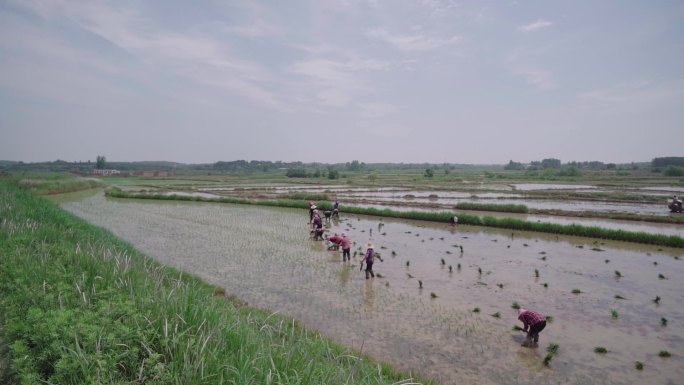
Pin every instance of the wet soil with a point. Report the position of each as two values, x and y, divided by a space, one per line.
264 256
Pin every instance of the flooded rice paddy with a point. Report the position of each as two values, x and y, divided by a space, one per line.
264 256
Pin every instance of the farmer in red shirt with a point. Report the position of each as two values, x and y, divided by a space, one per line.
533 321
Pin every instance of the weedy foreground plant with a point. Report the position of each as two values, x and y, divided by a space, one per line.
80 306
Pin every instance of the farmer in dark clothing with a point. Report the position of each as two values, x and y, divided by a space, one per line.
533 321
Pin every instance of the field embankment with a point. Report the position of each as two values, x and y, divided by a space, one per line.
445 217
81 306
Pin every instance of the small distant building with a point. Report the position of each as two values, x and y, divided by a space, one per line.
105 172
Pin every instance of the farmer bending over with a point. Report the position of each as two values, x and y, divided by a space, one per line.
533 321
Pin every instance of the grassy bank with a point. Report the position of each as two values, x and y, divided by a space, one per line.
504 223
56 183
510 208
80 306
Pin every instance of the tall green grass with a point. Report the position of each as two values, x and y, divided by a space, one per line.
445 217
507 208
79 306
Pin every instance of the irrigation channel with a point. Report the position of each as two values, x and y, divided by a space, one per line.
264 256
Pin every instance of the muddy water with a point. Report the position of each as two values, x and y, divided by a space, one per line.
264 256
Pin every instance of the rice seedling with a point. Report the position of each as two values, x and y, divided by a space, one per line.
461 247
614 314
450 269
552 348
448 252
443 262
664 354
409 275
543 258
607 261
479 270
547 359
549 318
394 253
420 284
408 263
536 273
617 296
433 295
517 328
576 291
496 315
542 252
458 266
500 285
476 310
660 276
546 285
655 263
618 274
663 321
639 365
657 300
515 305
597 249
600 350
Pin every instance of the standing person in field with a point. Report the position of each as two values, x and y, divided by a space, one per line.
369 258
346 247
336 209
312 207
533 323
317 226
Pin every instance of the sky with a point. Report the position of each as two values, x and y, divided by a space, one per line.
412 81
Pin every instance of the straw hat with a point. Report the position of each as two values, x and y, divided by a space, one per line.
369 245
313 207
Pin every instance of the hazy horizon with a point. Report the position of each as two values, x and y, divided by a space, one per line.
405 81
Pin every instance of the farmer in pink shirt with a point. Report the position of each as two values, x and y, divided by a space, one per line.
533 321
346 246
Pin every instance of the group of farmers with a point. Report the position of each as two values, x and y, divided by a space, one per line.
338 241
533 321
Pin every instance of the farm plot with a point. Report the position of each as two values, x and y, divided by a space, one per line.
419 313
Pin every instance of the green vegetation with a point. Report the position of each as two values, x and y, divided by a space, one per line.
56 183
614 314
515 305
80 306
510 208
476 310
600 350
639 365
664 354
307 196
576 291
551 350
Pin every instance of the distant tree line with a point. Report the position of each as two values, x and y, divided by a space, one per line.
668 161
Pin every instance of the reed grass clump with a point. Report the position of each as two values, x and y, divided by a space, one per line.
507 208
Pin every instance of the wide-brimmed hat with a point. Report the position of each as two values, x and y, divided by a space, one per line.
369 245
313 207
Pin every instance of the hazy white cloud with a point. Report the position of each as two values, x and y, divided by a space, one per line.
540 79
420 74
415 42
635 95
535 26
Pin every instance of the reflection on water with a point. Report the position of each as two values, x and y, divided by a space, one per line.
264 256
